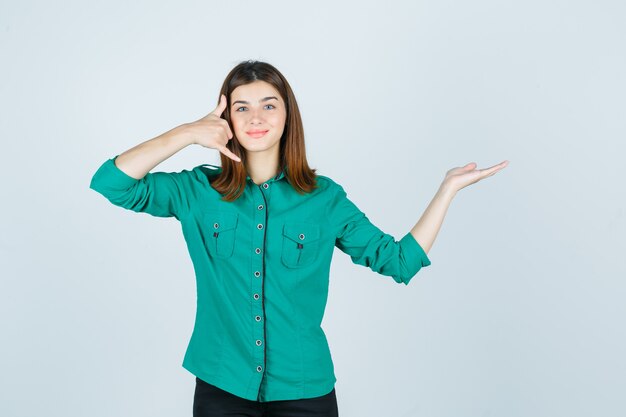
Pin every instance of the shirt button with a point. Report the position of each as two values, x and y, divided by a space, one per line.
301 236
266 186
259 368
260 207
256 296
257 274
258 343
258 250
259 226
257 318
216 225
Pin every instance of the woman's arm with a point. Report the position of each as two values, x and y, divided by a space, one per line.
426 229
126 181
136 162
130 184
211 131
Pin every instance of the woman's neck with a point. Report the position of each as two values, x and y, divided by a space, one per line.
262 167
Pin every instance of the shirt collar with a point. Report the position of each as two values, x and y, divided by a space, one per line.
278 176
218 169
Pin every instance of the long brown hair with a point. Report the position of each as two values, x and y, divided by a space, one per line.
232 180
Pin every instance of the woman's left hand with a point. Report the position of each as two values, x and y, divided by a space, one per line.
460 177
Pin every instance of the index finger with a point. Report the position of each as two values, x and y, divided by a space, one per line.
493 169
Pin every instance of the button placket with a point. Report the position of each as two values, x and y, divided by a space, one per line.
258 266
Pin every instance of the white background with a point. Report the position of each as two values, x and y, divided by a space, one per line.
521 312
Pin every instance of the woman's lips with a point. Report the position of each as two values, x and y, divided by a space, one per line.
258 134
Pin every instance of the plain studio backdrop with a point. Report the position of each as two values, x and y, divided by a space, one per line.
521 312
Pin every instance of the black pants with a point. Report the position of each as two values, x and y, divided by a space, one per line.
211 401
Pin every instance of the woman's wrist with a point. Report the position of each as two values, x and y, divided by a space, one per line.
181 134
447 190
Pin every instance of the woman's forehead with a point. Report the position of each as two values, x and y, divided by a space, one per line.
255 90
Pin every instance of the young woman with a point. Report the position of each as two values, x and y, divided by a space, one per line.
261 230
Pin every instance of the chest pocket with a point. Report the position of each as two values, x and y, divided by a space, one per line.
221 227
300 244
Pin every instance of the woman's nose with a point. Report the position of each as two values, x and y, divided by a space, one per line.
255 116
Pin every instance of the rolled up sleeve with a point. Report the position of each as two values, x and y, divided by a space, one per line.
161 194
369 246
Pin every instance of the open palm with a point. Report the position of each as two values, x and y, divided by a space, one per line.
460 177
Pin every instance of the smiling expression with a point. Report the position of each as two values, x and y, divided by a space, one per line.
258 115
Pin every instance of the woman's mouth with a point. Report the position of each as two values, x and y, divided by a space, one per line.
256 133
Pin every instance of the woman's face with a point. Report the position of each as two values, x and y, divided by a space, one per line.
257 107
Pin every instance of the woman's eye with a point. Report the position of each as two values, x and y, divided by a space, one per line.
243 107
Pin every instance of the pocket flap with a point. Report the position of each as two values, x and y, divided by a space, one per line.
301 232
220 221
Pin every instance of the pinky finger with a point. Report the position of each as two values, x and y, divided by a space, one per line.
229 154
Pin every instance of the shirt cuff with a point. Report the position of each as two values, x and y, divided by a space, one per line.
414 254
114 177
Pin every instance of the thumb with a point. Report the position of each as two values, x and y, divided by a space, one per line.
220 107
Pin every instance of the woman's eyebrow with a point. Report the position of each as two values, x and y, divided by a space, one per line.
263 99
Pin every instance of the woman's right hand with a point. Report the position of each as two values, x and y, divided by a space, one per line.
212 131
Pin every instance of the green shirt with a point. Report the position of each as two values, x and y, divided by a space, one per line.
262 268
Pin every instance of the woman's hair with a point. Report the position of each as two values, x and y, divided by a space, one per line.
292 159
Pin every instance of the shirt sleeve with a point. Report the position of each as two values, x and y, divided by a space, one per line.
369 246
161 194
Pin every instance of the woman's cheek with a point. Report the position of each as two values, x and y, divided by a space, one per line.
236 127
